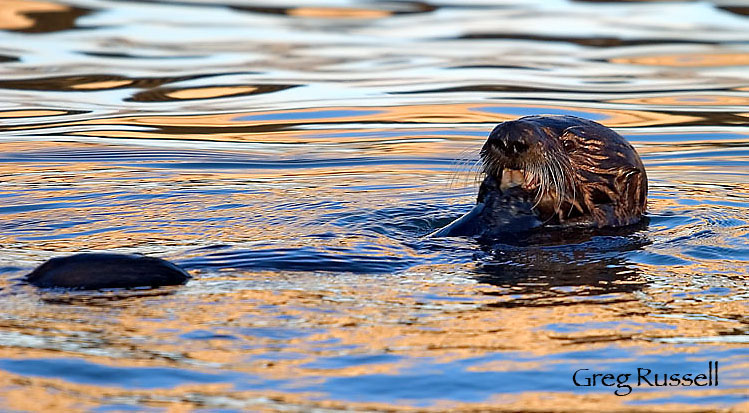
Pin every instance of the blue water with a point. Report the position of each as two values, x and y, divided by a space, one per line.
292 157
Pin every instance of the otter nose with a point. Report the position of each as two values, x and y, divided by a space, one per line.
511 145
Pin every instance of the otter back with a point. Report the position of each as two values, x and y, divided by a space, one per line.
93 271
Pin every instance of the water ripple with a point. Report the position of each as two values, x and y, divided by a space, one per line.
291 155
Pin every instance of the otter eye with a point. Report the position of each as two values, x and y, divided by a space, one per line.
568 145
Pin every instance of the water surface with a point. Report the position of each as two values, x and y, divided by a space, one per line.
291 155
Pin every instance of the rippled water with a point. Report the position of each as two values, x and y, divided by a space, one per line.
291 155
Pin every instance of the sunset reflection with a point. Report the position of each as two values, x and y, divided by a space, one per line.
16 14
688 60
295 158
337 13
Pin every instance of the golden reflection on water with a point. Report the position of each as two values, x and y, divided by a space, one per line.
440 114
333 142
105 84
463 318
374 318
690 99
688 60
30 113
275 127
210 92
443 313
14 14
167 203
337 13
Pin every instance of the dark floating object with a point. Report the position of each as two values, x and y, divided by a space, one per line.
92 271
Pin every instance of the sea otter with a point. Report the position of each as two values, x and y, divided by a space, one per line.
554 172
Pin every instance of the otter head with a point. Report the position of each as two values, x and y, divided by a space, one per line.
573 171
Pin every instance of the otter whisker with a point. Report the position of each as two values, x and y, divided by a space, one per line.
461 166
543 180
480 170
573 203
553 184
565 183
546 186
553 169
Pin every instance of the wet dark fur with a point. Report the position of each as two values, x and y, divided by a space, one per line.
585 174
99 270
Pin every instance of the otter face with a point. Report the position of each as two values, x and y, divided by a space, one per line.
576 171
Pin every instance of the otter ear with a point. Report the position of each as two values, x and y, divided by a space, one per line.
572 137
580 132
571 133
633 184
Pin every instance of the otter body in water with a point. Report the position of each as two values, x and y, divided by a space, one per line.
98 270
554 171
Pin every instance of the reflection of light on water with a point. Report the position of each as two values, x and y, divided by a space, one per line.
690 99
107 84
332 329
291 156
326 114
288 126
210 92
717 339
337 13
688 60
15 14
30 113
